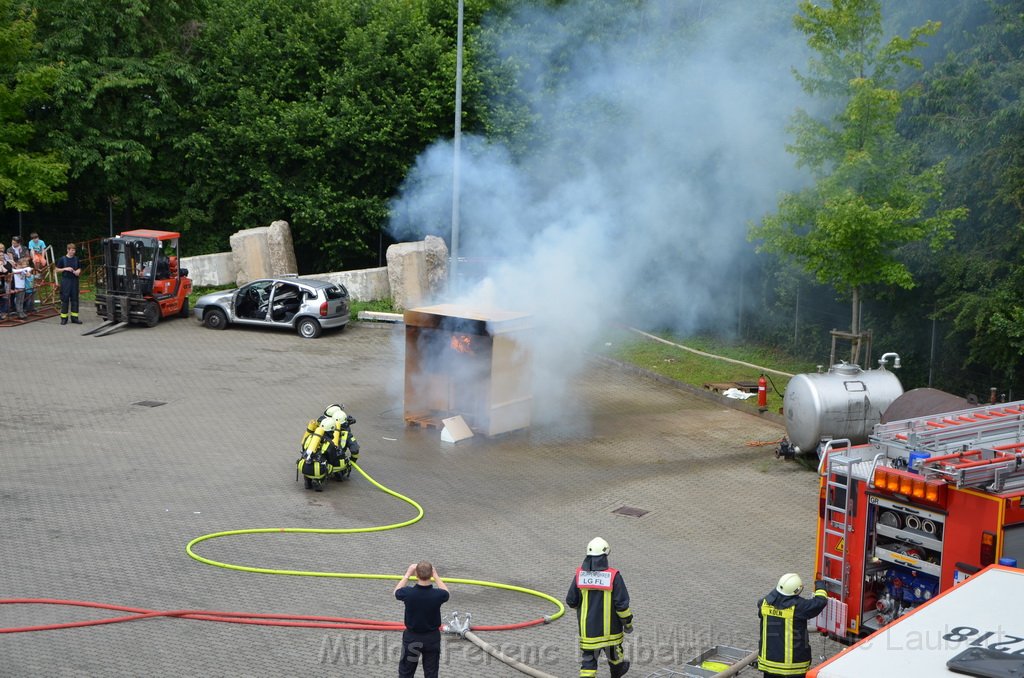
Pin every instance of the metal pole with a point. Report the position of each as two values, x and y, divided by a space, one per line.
453 273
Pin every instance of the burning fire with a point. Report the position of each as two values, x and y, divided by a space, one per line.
462 343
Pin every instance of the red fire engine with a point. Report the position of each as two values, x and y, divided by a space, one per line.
925 503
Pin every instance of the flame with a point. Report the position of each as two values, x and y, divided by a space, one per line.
462 343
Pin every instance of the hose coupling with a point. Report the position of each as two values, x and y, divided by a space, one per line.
454 624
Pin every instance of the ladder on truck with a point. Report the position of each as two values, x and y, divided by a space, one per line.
833 567
987 426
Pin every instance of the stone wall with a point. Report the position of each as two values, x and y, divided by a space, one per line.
417 272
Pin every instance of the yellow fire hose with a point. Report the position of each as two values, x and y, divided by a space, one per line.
353 575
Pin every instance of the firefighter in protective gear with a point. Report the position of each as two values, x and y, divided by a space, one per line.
344 438
312 463
599 596
784 648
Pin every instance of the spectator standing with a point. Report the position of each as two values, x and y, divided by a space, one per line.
6 266
70 269
422 635
17 250
37 250
21 272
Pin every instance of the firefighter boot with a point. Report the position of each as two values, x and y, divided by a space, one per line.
619 669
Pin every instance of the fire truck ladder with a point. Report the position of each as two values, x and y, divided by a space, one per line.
836 522
988 426
838 500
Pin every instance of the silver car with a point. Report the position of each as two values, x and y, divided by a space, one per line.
308 306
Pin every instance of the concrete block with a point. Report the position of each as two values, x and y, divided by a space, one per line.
211 270
368 284
263 252
417 271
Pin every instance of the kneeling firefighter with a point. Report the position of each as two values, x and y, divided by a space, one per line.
599 596
312 463
784 648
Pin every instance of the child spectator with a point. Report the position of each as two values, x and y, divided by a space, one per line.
37 250
22 271
30 288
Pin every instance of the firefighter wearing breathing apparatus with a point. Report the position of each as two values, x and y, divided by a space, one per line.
598 594
343 424
312 463
784 649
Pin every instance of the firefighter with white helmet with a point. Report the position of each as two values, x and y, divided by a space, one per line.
599 596
784 649
344 438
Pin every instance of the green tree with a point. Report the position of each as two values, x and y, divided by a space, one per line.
870 196
313 112
971 110
118 103
29 175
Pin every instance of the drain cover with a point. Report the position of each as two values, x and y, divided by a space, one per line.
149 403
631 511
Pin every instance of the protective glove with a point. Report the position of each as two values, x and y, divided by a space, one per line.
628 628
819 584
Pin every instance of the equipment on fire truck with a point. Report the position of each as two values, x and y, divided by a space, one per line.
140 280
843 403
974 628
927 502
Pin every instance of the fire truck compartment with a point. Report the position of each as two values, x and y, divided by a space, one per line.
980 613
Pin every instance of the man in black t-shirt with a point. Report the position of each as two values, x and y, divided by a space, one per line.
422 635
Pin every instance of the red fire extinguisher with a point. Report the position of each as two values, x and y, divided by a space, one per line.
762 392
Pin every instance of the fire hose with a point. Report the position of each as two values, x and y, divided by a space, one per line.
307 621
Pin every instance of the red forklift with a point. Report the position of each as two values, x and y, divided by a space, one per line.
140 280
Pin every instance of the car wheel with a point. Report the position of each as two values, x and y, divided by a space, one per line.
308 328
215 319
151 314
184 308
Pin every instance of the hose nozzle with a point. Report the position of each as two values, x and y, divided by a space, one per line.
453 624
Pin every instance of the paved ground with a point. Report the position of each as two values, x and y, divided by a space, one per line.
100 495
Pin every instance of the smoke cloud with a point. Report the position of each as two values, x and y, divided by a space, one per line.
659 135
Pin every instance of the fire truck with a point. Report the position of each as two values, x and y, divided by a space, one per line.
925 503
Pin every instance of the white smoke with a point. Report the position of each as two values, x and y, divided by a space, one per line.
655 147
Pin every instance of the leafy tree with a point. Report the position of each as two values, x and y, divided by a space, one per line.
29 175
312 112
971 110
870 196
119 99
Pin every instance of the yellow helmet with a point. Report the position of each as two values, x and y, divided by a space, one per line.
598 547
790 584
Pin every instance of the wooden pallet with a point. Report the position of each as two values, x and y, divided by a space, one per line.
425 420
719 387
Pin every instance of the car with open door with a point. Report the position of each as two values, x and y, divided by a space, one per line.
307 306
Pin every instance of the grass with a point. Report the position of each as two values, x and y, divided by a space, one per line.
696 370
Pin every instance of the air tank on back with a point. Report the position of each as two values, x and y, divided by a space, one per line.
845 402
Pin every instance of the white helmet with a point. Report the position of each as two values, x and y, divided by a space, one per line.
340 418
333 410
790 584
598 547
327 424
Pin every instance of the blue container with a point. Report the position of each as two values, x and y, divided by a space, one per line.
914 461
1008 562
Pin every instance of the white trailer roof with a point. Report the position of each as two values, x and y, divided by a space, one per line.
983 611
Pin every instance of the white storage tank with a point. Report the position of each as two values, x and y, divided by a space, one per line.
845 402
